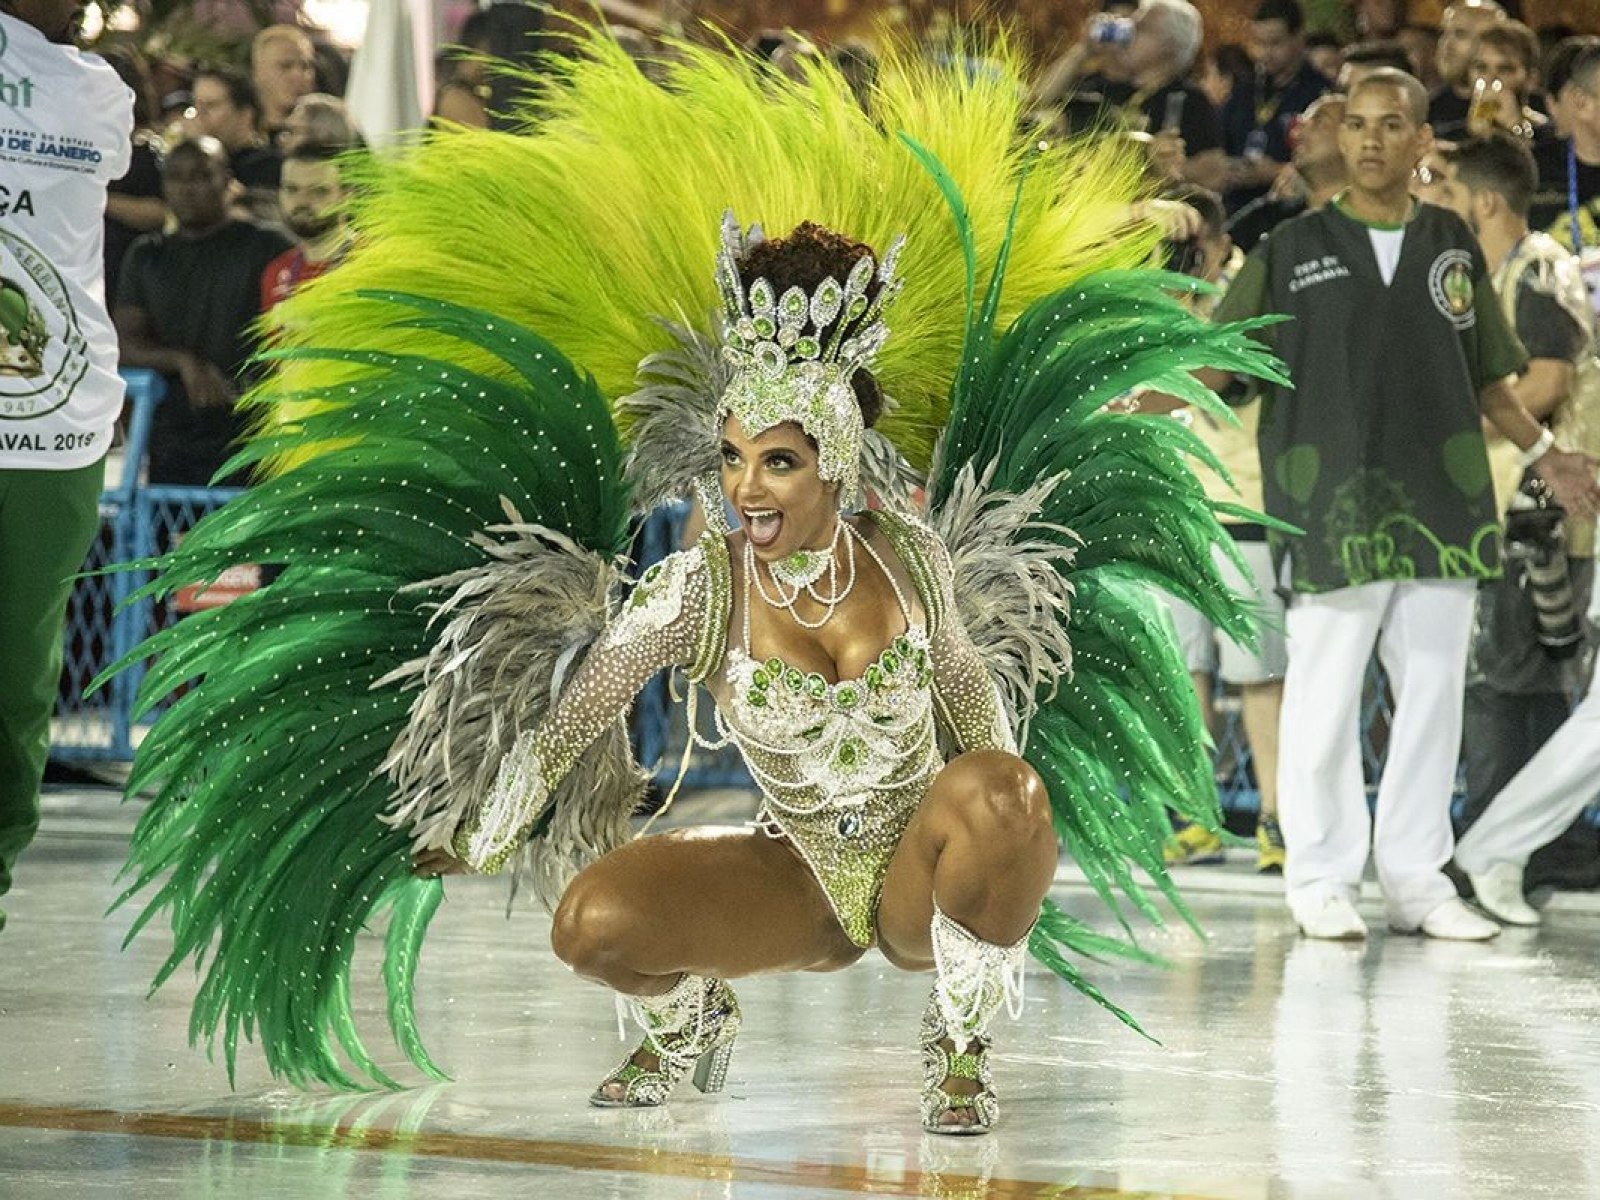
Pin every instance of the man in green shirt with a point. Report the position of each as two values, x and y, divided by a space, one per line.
1397 348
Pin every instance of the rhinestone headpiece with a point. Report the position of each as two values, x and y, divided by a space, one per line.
786 369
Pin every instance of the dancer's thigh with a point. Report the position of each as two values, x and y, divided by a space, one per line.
722 902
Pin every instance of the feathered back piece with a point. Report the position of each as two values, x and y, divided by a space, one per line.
606 219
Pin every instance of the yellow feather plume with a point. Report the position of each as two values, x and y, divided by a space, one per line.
603 213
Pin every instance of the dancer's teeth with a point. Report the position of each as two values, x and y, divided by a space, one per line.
763 526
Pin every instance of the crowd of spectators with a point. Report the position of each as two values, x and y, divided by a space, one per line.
236 196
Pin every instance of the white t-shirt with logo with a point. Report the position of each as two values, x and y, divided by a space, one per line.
66 127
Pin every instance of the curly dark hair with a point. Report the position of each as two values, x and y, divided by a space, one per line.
804 259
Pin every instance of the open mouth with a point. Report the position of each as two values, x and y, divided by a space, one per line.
762 524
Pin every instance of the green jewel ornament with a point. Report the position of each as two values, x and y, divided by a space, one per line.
757 698
803 567
774 666
760 678
793 679
890 661
816 686
849 754
874 677
901 646
848 696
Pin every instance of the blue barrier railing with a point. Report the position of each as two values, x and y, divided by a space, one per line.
136 521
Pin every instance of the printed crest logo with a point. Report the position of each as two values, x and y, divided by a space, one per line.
1450 285
22 333
43 353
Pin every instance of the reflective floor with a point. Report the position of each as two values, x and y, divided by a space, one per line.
1402 1068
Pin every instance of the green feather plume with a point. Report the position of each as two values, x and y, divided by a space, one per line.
264 843
1120 743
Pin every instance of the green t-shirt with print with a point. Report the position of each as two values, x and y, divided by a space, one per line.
1377 450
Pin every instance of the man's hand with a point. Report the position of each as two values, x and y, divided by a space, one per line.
1289 185
1178 221
1571 477
430 864
205 385
1168 154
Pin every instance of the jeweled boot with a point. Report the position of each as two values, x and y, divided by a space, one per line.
974 978
693 1025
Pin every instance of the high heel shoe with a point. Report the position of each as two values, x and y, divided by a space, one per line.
693 1025
973 979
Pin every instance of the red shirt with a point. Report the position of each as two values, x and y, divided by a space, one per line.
287 272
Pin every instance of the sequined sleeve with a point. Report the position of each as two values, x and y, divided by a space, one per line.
964 692
675 617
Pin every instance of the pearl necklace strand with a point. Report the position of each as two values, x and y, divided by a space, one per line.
752 578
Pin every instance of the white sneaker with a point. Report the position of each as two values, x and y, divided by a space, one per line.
1498 892
1453 921
1330 917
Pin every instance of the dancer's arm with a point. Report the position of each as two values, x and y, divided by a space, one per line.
661 625
964 692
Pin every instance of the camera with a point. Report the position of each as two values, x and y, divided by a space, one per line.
1536 545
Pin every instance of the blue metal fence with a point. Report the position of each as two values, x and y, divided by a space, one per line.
136 521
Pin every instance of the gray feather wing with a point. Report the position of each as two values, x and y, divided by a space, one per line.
1009 577
512 630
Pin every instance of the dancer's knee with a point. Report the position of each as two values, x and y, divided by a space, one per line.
591 927
1000 800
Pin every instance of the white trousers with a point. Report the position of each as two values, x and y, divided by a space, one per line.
1421 629
1543 798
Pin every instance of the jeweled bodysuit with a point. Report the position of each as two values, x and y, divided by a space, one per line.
841 766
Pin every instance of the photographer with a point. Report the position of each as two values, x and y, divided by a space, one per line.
1528 636
1146 91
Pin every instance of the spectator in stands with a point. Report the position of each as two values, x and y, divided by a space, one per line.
320 120
1379 18
1211 658
1325 53
1505 63
1430 182
59 390
469 92
1318 175
185 308
1152 94
283 68
1366 57
226 108
1464 20
1526 651
1569 170
313 201
1396 345
1259 113
133 202
1421 45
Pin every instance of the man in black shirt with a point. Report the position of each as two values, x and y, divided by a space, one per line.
1398 350
1518 691
226 108
1258 115
1319 175
184 307
1572 81
1463 21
